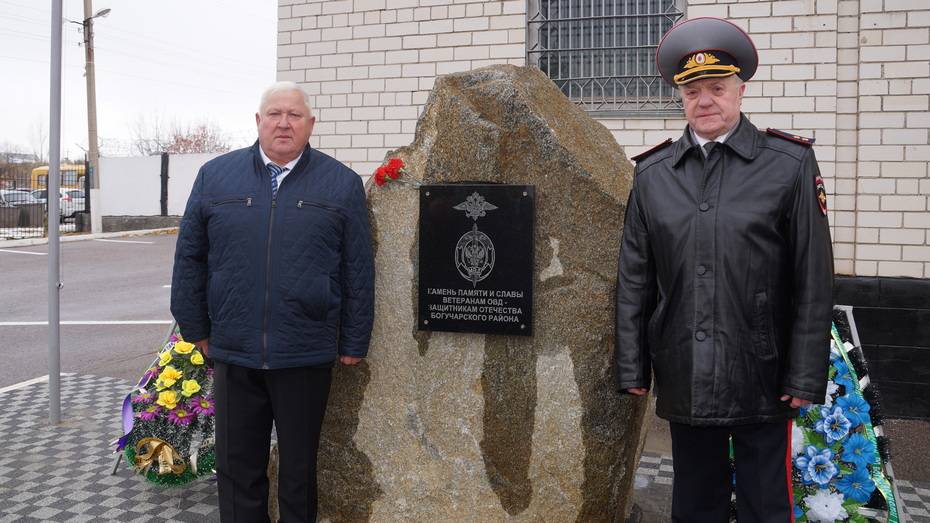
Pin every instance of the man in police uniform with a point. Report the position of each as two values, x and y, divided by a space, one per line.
725 283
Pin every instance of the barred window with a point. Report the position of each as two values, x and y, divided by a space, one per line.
601 53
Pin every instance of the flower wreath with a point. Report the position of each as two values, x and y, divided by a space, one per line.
836 453
168 418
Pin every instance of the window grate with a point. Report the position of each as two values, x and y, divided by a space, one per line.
601 53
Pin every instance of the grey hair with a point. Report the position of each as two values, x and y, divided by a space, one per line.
285 86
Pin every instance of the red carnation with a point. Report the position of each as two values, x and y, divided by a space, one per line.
395 164
391 170
379 175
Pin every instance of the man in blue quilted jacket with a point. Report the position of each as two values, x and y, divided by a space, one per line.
273 280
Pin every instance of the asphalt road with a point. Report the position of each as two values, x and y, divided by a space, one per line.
114 280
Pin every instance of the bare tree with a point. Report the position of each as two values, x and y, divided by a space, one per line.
149 135
15 165
40 141
200 138
154 137
9 151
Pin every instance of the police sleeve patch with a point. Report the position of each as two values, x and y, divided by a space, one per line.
821 195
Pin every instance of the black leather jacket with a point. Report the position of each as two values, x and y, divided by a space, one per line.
725 280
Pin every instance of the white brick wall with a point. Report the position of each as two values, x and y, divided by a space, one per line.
391 50
891 37
854 74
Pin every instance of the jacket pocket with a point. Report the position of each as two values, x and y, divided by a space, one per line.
314 297
315 231
314 204
228 216
766 360
653 336
762 327
232 200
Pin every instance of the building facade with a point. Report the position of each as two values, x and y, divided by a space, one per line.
853 74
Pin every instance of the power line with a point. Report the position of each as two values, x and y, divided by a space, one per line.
196 66
17 34
138 44
140 40
200 67
161 48
122 73
201 87
185 53
25 6
37 60
35 21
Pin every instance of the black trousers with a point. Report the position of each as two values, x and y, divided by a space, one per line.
703 479
248 401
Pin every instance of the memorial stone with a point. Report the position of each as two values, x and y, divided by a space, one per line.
445 426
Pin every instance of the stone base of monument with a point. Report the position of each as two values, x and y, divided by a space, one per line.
451 426
273 459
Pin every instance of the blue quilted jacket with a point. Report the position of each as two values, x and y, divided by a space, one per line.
281 282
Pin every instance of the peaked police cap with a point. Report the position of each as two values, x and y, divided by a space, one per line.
705 48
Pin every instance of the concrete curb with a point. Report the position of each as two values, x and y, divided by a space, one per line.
79 237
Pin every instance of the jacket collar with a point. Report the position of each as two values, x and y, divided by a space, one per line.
301 164
743 141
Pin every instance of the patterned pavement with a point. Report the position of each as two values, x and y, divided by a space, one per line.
63 473
654 481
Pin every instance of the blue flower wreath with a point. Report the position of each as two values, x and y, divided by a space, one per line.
837 468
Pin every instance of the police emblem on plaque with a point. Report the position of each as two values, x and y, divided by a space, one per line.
474 252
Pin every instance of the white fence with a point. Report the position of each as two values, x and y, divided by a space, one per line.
132 186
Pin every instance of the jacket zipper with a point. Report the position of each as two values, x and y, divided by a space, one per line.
274 204
300 204
248 201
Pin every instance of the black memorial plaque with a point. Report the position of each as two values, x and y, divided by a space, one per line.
476 258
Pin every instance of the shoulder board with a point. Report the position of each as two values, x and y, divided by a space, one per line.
644 154
790 137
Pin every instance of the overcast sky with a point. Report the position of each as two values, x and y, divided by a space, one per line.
173 61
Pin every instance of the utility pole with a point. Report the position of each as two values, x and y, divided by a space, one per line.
96 221
54 177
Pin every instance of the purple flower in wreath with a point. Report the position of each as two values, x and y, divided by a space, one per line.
149 375
180 416
834 426
858 450
202 405
855 408
149 413
816 466
143 397
857 485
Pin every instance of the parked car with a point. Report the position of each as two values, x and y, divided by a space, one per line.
71 201
15 198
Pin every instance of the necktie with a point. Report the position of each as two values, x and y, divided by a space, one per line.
274 171
708 147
